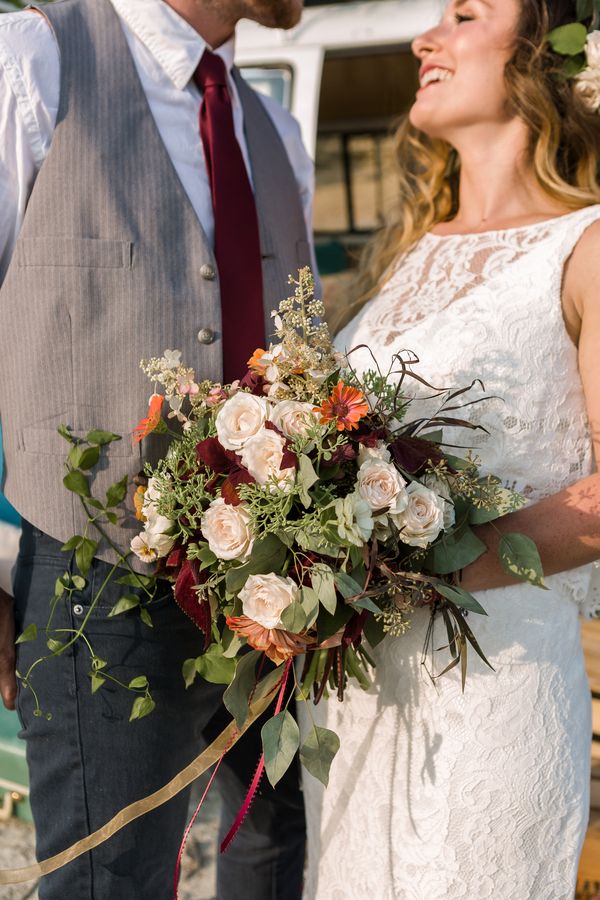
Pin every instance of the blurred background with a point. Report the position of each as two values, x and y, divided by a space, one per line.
347 74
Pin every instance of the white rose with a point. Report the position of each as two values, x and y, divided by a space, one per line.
227 530
593 49
265 597
588 86
423 518
441 487
263 454
239 419
156 528
354 519
381 486
293 418
379 451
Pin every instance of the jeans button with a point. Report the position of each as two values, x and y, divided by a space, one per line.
78 609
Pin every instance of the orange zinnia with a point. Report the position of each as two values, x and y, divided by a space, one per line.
150 423
256 364
277 644
346 406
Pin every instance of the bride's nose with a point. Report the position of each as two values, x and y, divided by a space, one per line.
427 43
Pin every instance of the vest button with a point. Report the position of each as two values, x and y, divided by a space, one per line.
208 272
206 336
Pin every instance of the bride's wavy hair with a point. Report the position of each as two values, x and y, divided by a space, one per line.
564 147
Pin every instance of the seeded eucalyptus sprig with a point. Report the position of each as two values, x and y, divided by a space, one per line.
83 456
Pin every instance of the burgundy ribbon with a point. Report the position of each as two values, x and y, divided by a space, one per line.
251 790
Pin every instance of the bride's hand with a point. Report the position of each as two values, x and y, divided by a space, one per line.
8 681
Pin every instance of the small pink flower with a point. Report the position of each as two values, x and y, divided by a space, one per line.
215 396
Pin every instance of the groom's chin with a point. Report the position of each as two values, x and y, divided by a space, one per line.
275 13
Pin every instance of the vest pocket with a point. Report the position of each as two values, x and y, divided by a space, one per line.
92 253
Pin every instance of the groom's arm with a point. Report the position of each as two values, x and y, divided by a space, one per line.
29 89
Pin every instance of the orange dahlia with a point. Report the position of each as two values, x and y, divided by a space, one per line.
256 362
346 406
275 643
147 425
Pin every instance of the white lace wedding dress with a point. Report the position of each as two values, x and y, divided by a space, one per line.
436 795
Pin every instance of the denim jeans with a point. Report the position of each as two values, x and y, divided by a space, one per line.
88 761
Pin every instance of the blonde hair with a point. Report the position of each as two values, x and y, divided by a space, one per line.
564 149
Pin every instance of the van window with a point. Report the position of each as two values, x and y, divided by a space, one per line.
274 81
363 96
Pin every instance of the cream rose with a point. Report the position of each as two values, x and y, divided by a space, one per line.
227 530
592 49
379 451
239 419
265 597
380 485
293 418
263 454
423 518
441 487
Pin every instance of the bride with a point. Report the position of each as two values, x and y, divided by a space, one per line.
491 271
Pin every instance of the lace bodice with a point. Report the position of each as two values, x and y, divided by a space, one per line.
436 793
488 306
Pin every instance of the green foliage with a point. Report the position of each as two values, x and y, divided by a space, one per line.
237 695
30 634
318 752
268 555
568 40
280 740
323 583
521 559
460 597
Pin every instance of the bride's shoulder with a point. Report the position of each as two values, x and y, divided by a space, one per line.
582 273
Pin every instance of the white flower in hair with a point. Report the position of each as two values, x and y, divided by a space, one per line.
588 81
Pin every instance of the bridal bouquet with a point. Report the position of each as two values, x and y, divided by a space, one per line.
305 511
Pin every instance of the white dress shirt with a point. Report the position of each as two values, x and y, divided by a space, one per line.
166 51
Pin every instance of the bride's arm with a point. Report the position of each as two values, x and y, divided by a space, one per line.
565 526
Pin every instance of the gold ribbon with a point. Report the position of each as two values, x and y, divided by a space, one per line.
204 761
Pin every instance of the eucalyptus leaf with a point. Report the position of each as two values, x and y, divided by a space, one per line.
280 740
368 604
318 752
236 696
346 585
30 634
460 597
310 605
568 40
455 551
232 643
293 618
328 625
521 559
323 583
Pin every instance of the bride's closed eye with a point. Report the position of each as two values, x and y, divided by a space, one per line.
460 19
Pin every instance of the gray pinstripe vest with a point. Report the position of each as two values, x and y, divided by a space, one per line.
111 267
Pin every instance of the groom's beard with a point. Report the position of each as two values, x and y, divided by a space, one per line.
272 13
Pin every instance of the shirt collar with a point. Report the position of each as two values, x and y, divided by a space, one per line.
174 44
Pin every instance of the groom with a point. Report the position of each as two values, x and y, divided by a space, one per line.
150 200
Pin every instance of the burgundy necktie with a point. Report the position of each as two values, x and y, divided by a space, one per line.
237 240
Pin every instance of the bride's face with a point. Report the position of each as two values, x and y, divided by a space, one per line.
462 67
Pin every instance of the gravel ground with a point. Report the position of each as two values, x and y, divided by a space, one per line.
198 870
